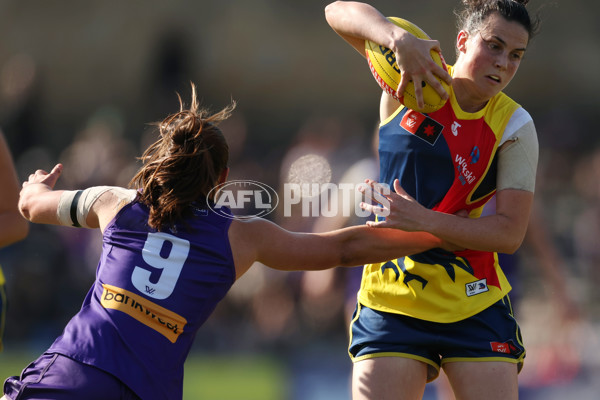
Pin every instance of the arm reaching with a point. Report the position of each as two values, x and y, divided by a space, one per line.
93 207
502 232
265 242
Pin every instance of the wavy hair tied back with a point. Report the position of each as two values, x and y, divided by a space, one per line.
184 164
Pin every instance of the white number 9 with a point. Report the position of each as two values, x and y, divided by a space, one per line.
171 265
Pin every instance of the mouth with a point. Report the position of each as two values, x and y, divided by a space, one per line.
495 78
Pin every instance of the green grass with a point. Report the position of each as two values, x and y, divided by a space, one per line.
212 378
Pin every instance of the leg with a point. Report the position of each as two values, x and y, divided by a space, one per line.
388 378
490 380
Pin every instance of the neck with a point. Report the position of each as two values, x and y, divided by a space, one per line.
466 95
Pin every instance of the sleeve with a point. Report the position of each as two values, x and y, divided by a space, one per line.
518 159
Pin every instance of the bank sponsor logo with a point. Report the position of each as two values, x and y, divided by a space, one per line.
163 321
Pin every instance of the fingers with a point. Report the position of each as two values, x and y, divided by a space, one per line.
374 190
418 84
51 178
57 169
41 176
398 188
404 81
377 210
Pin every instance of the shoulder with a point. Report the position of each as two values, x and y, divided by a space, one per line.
519 124
107 201
108 196
502 105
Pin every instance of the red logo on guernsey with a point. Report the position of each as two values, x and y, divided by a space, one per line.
421 126
412 120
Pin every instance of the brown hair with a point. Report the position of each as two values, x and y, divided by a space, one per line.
184 164
475 12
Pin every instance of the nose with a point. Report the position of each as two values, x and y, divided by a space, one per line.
502 62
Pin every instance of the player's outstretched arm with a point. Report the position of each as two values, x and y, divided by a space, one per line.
93 207
263 241
502 232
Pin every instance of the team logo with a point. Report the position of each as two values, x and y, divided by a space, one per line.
245 199
474 155
454 128
422 126
508 347
477 287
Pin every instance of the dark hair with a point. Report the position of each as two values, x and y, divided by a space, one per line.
475 13
184 164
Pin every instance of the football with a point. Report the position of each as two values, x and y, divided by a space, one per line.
382 62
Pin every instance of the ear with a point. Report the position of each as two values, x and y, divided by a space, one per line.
461 41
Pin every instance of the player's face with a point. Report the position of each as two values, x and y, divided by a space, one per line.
490 57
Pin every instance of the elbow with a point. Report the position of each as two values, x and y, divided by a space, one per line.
331 10
511 245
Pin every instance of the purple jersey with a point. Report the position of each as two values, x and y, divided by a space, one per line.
153 291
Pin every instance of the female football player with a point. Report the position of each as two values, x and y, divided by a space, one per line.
441 309
13 227
167 259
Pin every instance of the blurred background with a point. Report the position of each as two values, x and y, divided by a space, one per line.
79 81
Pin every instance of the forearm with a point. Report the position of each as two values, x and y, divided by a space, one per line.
496 233
356 22
364 245
13 228
352 246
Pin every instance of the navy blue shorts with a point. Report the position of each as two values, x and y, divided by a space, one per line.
54 376
491 335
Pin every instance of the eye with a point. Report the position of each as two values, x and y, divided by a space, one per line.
494 46
516 56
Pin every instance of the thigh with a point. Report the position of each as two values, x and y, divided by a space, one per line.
375 334
388 378
490 380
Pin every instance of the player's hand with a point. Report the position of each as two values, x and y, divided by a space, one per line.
45 178
400 210
413 57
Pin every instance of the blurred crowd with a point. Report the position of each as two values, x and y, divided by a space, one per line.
555 274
